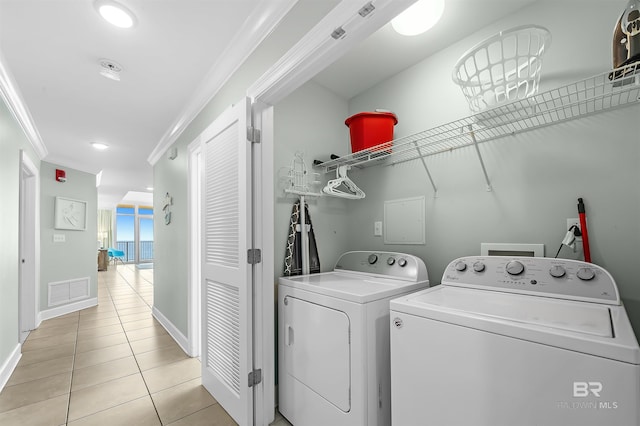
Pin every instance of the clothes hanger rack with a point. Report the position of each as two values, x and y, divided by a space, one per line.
342 186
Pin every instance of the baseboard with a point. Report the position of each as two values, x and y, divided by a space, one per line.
66 309
173 331
9 365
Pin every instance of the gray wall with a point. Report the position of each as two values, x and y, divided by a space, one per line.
12 140
170 252
77 256
310 121
536 176
170 286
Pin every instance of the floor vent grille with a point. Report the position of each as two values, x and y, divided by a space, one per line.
62 292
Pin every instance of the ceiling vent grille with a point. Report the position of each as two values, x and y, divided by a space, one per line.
110 69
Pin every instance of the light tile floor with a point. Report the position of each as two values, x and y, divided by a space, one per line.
112 364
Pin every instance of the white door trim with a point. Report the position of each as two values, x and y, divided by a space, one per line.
29 271
264 291
317 49
194 202
302 62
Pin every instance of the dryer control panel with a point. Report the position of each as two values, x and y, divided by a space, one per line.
390 264
540 276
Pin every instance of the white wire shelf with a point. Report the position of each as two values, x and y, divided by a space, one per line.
603 92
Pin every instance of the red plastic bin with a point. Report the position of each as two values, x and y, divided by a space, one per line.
368 129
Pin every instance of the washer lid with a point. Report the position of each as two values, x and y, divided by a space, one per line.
359 288
590 328
564 315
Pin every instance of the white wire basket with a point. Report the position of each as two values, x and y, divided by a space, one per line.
504 68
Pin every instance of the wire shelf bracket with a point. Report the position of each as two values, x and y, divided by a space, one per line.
484 169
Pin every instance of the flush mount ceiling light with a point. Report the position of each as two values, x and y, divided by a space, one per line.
419 17
115 13
99 146
110 69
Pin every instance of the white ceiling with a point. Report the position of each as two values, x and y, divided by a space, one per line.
52 48
386 52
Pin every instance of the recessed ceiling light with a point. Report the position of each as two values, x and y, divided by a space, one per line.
419 17
115 13
149 188
99 146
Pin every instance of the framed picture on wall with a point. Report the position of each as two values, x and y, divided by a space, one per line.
70 214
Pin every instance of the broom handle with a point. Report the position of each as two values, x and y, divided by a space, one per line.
585 233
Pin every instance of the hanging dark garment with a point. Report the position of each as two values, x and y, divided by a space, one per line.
293 252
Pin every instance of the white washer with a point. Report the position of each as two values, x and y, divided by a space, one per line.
333 338
515 341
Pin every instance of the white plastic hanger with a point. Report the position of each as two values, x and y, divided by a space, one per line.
342 186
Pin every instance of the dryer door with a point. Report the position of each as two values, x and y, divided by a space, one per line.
317 349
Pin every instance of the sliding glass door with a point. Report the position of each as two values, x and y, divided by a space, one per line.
126 232
145 239
134 233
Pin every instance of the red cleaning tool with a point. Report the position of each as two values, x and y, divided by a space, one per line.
585 234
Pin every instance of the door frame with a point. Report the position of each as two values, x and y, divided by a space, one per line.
300 64
264 354
138 241
29 251
194 247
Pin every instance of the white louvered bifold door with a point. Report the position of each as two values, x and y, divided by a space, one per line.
226 299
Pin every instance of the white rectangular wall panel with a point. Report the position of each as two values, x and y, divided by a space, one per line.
404 221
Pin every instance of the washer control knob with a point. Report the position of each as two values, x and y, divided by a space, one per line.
515 267
373 258
391 261
586 274
402 262
461 266
478 266
557 271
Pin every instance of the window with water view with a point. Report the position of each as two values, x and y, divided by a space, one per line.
134 233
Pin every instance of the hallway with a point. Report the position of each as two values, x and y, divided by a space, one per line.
110 364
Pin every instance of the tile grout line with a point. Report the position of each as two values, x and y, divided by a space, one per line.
134 290
132 351
73 365
136 359
73 368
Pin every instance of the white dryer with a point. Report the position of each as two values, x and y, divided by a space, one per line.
333 339
515 341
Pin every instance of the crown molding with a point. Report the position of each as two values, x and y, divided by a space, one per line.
249 36
318 49
72 164
11 96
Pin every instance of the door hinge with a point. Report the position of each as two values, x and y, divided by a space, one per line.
255 377
253 134
254 256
